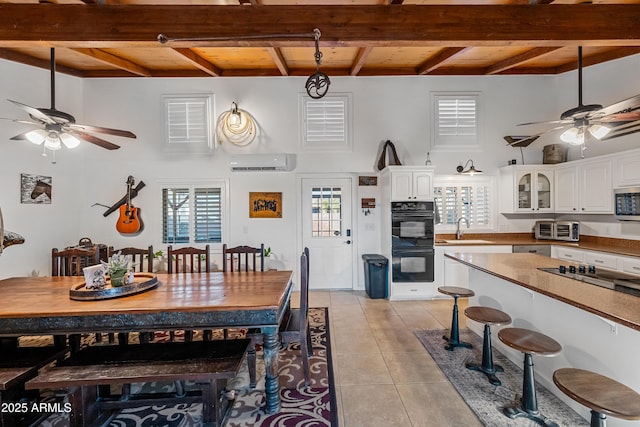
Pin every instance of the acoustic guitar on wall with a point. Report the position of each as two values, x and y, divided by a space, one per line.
129 220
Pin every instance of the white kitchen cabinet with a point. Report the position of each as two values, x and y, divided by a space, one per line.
584 188
600 259
630 265
627 170
527 189
567 254
409 182
456 273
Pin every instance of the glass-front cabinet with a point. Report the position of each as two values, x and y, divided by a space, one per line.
533 190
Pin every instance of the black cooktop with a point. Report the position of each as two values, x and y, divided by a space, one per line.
610 279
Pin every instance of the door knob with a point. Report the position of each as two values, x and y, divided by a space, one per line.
348 242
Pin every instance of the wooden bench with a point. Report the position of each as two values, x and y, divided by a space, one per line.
89 374
18 365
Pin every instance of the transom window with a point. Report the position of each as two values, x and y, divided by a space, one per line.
326 123
188 123
455 121
326 211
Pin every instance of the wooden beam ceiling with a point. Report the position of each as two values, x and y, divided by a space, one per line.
360 26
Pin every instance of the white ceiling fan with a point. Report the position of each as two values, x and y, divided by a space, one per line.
592 120
55 128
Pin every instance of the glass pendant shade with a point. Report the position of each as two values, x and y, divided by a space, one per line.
69 140
235 119
36 136
573 136
599 131
52 141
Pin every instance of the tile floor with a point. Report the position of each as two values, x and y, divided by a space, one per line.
384 376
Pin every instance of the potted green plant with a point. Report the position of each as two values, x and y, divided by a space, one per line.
117 267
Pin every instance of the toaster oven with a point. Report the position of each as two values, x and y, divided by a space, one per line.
558 230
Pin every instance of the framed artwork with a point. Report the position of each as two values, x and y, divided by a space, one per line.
35 189
367 180
265 205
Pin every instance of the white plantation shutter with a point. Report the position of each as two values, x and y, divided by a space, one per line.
462 200
208 215
455 121
188 124
326 123
193 214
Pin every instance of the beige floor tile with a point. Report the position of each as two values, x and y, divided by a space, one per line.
384 320
397 340
423 320
339 409
373 406
365 368
343 297
348 340
413 367
319 298
436 405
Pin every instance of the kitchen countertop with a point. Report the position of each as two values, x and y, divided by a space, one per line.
522 269
594 243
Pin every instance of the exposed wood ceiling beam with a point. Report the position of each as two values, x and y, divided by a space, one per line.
519 59
360 60
199 61
361 26
11 55
114 61
279 60
438 59
599 58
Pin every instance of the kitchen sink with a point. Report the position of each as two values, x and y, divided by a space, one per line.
468 241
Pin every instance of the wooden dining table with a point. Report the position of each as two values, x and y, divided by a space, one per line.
42 306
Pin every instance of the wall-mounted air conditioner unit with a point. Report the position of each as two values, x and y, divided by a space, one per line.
263 162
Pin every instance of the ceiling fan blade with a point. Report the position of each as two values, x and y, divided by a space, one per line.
20 137
630 116
94 140
28 122
525 141
622 130
99 129
632 103
545 122
34 112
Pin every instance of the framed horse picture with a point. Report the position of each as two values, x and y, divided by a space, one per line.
35 189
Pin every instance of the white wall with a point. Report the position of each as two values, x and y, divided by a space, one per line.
395 108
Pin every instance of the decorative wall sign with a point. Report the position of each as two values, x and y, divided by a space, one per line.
265 205
35 189
367 180
368 203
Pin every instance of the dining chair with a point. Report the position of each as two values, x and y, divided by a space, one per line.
143 263
295 329
185 260
70 262
232 258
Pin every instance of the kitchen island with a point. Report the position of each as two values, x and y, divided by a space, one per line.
598 328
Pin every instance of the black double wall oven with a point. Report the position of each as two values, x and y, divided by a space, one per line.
412 239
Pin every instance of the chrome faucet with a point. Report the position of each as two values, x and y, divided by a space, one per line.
459 232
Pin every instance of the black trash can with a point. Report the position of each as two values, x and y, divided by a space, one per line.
375 275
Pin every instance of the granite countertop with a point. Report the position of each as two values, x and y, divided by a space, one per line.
594 243
522 269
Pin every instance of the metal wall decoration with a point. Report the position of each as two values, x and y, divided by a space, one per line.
367 180
265 205
35 189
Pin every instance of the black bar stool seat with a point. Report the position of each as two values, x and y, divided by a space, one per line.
489 316
603 395
456 292
530 343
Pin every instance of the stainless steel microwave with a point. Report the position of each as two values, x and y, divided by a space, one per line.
627 203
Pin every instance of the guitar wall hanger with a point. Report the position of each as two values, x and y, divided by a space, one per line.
130 195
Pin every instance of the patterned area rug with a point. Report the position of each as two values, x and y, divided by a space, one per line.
313 406
485 399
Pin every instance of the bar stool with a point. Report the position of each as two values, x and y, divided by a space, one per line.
489 316
603 395
529 342
453 340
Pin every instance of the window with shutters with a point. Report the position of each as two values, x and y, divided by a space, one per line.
194 213
188 123
471 198
326 123
455 121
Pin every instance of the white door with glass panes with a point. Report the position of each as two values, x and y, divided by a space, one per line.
327 232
